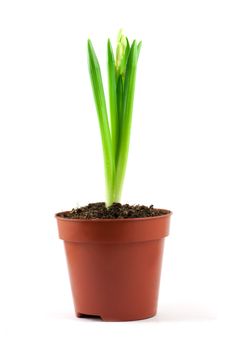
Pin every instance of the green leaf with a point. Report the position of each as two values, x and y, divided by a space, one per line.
128 98
112 97
139 47
100 102
119 94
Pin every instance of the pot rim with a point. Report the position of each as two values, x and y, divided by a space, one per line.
57 216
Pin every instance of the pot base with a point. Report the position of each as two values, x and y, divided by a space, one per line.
108 318
80 315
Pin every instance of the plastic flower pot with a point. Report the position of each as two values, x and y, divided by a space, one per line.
114 265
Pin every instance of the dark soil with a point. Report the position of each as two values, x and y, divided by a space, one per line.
115 211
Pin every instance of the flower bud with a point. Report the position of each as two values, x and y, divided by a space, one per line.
120 49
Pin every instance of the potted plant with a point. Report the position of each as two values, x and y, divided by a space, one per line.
114 251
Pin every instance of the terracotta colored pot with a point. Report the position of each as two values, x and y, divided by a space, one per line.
114 265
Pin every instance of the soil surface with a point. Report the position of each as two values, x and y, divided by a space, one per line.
115 211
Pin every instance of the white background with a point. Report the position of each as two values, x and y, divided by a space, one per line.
188 154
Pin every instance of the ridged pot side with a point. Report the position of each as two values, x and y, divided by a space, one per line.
115 265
